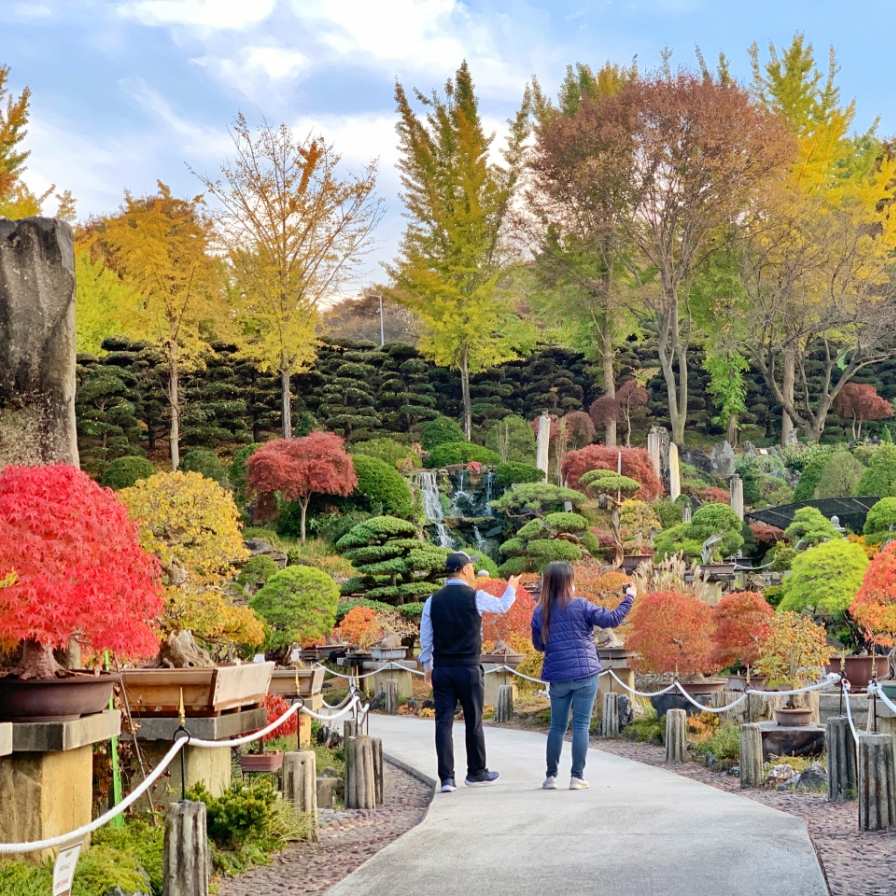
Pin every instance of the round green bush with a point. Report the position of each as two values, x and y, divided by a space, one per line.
441 431
387 450
123 472
511 473
382 485
257 571
204 462
824 580
461 453
881 521
810 526
297 604
708 520
880 477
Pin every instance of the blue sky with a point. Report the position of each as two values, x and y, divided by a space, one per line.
127 92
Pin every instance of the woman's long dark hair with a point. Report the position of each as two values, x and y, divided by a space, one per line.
556 590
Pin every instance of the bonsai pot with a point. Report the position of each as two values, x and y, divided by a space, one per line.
857 668
889 689
283 682
503 659
261 762
739 682
630 562
55 699
794 718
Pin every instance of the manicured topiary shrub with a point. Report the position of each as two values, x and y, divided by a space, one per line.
741 622
511 473
875 605
123 472
257 572
880 524
810 476
880 477
204 462
535 499
382 486
388 450
708 521
825 579
461 453
810 527
441 431
298 605
608 482
636 464
556 536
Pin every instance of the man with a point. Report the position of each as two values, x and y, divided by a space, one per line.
451 642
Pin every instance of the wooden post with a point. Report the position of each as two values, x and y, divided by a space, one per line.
504 708
609 720
379 780
877 788
186 863
349 729
841 750
391 697
300 786
676 736
360 786
751 765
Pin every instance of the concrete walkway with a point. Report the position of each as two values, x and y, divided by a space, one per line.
639 830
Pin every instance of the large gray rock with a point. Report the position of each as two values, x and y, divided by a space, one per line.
722 461
695 458
37 343
815 777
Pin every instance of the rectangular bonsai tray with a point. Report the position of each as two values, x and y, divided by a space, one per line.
206 692
283 682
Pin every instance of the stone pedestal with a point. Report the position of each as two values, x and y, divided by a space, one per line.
859 706
5 739
494 681
676 737
504 706
877 783
46 780
186 861
617 660
841 750
378 683
791 740
751 755
210 766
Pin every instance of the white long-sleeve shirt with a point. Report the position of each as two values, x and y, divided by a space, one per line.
485 603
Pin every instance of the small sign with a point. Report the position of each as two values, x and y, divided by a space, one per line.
64 870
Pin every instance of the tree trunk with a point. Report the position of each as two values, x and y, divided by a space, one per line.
607 356
787 384
37 661
464 368
681 353
304 505
286 397
174 402
732 430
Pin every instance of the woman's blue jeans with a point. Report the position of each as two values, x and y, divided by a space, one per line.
580 696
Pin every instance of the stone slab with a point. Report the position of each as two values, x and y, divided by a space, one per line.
204 727
54 737
859 704
791 740
5 738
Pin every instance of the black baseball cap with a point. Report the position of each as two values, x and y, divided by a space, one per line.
456 561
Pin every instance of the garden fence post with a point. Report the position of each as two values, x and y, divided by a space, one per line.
609 720
676 736
360 787
751 765
391 697
186 863
300 785
877 788
841 751
349 729
378 771
504 709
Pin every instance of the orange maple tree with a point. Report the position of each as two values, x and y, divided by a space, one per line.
360 626
636 464
874 607
741 624
512 625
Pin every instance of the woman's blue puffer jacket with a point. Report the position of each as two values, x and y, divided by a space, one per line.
570 653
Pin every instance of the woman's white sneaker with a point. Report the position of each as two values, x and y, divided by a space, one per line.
577 784
549 784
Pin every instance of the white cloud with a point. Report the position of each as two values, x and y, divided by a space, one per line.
214 14
256 69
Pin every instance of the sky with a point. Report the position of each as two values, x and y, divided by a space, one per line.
128 92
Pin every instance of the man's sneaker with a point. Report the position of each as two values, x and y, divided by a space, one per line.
480 780
578 784
448 786
549 784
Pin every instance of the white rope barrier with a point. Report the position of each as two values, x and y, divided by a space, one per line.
852 727
167 759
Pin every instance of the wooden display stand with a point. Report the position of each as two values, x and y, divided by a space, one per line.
617 660
390 670
494 681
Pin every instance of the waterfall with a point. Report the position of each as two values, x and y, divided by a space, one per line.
428 484
489 483
480 541
460 494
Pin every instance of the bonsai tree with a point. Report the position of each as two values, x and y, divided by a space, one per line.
557 536
741 624
535 499
636 464
393 564
192 526
793 651
295 469
298 605
73 568
810 527
359 627
638 525
610 487
257 573
874 608
824 580
711 521
880 477
672 633
880 524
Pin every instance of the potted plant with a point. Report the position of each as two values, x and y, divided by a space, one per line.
262 761
792 653
671 632
741 623
74 573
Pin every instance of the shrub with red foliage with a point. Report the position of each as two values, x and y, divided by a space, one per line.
298 468
636 464
874 607
626 405
741 624
516 621
579 430
672 632
765 534
713 495
276 706
860 402
78 566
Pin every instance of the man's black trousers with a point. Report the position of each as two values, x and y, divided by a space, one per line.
465 685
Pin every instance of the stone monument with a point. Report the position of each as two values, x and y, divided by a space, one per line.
543 443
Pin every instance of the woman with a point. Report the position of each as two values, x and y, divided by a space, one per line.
563 629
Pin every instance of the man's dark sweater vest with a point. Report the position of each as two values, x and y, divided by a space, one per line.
456 627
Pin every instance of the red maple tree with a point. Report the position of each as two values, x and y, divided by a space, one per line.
625 405
741 624
765 534
299 468
860 402
874 607
576 430
672 632
79 570
515 622
636 464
